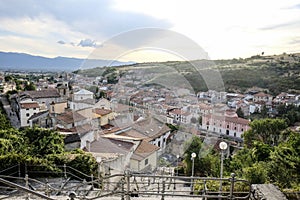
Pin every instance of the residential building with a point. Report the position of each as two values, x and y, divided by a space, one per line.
28 108
225 125
144 158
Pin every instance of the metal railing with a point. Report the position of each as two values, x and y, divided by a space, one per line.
127 185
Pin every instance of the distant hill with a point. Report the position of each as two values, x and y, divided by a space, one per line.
273 73
27 62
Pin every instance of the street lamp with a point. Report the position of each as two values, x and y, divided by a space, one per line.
177 164
223 146
193 156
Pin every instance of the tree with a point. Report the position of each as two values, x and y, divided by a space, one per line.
4 122
240 112
260 151
29 86
264 111
85 162
44 141
8 78
266 130
285 162
192 146
256 174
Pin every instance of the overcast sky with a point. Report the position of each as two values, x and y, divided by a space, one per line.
224 29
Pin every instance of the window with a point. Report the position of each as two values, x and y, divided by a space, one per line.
234 134
27 114
228 126
27 108
242 129
227 132
146 162
158 143
34 108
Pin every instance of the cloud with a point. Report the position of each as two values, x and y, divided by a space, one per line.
87 43
287 25
61 42
92 17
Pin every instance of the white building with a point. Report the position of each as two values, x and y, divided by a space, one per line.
82 95
27 109
82 99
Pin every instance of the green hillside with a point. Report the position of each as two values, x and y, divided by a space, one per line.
276 73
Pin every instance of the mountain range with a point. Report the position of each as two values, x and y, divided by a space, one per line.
25 62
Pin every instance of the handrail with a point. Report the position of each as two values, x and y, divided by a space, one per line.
88 176
9 168
14 185
149 184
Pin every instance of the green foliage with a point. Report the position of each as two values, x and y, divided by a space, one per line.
290 113
173 127
256 174
42 148
44 141
205 164
266 130
264 161
29 86
240 112
8 78
4 122
192 146
285 162
85 162
260 151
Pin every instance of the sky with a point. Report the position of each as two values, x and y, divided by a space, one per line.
222 29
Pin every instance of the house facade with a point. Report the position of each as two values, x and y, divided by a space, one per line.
225 125
27 109
144 158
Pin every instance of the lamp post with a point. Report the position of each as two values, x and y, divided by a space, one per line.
193 156
177 156
223 146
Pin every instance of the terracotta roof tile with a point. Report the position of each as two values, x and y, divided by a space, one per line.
70 117
144 150
102 112
26 105
49 93
236 120
106 145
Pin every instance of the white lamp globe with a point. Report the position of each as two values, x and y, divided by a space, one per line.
223 145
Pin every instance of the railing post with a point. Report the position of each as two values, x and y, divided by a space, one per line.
163 190
232 181
65 171
92 180
26 168
204 189
174 183
19 170
127 175
27 186
122 189
47 192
